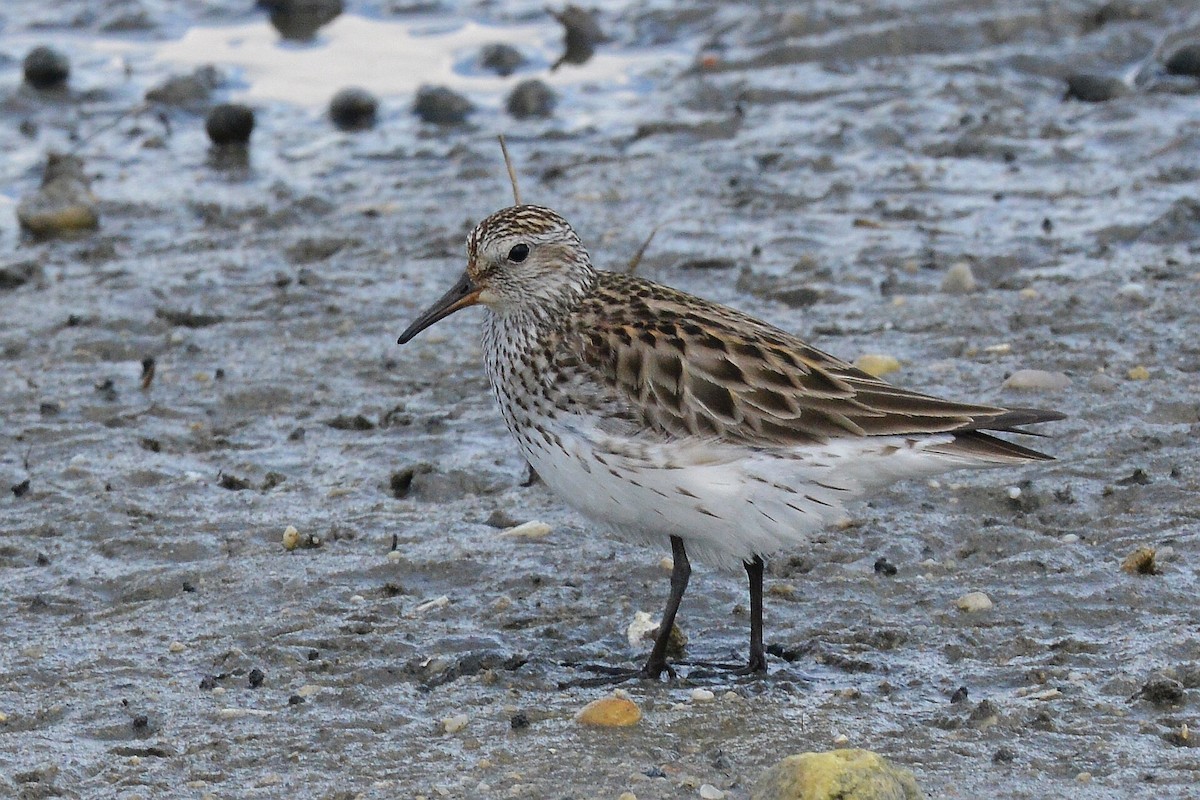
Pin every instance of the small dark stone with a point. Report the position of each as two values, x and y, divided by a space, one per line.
184 318
1004 755
401 482
712 262
186 91
49 408
208 683
19 274
1094 88
295 700
581 34
299 20
297 435
42 560
531 98
1047 225
271 480
21 489
519 721
46 68
441 106
344 422
353 109
1162 691
502 59
188 587
1139 477
153 445
1185 61
884 567
256 678
984 714
107 389
229 123
313 655
219 374
141 722
960 695
232 482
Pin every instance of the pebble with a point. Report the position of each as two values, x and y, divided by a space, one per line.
702 696
614 711
1013 492
441 106
643 626
176 647
229 123
186 91
353 109
299 20
972 602
627 796
455 723
710 792
1094 88
1033 380
959 279
531 98
877 364
63 204
1069 538
529 531
291 538
1140 562
430 605
845 774
46 68
1139 373
502 59
1185 61
581 34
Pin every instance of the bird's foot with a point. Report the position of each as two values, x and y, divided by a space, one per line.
613 675
756 667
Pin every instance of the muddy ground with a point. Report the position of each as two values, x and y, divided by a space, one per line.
822 166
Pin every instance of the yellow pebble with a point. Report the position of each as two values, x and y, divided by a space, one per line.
613 711
1139 373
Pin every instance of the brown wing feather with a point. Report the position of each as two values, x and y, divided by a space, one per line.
699 369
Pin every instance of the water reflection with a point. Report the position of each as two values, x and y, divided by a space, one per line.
388 58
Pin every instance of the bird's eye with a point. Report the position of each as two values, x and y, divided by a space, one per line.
518 253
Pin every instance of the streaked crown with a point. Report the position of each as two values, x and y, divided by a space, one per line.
523 255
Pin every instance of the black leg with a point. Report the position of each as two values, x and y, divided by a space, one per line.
656 664
758 655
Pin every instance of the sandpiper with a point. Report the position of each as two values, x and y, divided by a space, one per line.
675 419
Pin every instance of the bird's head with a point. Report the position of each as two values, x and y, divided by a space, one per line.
522 258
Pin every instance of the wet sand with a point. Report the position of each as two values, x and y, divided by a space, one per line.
822 169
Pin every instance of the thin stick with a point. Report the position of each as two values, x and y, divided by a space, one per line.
641 251
512 173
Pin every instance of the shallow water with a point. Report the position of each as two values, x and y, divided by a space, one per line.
827 166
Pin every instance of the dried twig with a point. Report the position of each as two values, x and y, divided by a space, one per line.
512 173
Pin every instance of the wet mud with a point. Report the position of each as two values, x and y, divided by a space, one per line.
216 362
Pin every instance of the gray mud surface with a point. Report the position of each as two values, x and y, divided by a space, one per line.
820 165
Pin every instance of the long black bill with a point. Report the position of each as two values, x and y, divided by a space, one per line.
462 294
